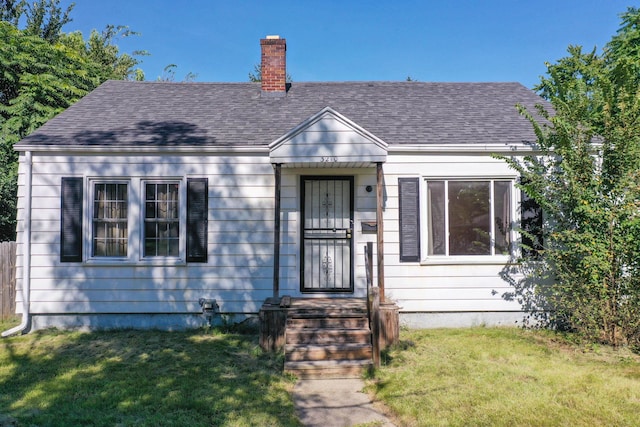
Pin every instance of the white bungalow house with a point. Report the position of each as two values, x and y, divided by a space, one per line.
145 197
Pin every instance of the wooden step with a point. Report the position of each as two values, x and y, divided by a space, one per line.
326 312
328 368
328 322
305 352
327 336
349 303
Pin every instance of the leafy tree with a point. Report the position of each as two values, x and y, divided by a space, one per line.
586 178
38 81
42 72
46 19
101 50
169 75
11 11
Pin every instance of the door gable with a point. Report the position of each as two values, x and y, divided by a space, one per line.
328 139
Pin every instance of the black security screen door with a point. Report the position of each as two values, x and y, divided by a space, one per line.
327 231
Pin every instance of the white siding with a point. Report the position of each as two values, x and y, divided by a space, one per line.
239 271
449 286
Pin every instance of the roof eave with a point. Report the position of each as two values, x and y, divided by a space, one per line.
102 149
498 148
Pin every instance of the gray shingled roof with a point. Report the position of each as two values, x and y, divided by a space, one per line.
124 113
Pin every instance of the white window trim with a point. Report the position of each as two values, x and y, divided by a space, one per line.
493 259
182 214
135 222
88 220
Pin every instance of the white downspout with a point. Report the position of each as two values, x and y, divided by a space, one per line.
26 251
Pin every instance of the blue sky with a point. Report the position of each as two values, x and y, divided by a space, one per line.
333 40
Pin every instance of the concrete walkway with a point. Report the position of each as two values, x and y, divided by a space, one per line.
336 403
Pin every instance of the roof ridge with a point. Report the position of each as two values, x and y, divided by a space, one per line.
156 82
327 82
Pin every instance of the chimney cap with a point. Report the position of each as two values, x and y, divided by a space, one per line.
273 37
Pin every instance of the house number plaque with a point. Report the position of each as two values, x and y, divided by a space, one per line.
329 159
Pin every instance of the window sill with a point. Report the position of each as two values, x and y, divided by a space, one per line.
119 262
468 260
161 261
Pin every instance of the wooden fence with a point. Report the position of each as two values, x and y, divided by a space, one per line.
7 279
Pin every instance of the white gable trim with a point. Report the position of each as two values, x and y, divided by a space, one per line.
506 149
328 139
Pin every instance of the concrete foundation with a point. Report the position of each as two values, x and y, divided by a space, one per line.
461 319
168 322
417 320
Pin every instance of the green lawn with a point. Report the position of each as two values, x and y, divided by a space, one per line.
142 378
448 377
507 377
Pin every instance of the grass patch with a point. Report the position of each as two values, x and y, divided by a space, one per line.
143 378
9 322
507 376
452 377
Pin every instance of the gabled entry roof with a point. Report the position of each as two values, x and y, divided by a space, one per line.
328 139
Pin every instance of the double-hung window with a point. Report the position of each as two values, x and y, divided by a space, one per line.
134 219
110 228
468 217
161 219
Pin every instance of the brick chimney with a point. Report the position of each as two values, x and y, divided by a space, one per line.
274 65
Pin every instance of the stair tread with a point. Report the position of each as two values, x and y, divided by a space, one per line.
327 346
296 327
326 315
326 363
330 330
327 319
325 333
317 329
332 350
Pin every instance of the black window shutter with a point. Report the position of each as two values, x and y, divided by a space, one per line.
197 213
409 201
532 227
71 220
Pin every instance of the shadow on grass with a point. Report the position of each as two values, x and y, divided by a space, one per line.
195 378
387 355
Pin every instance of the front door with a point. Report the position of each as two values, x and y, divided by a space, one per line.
327 229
